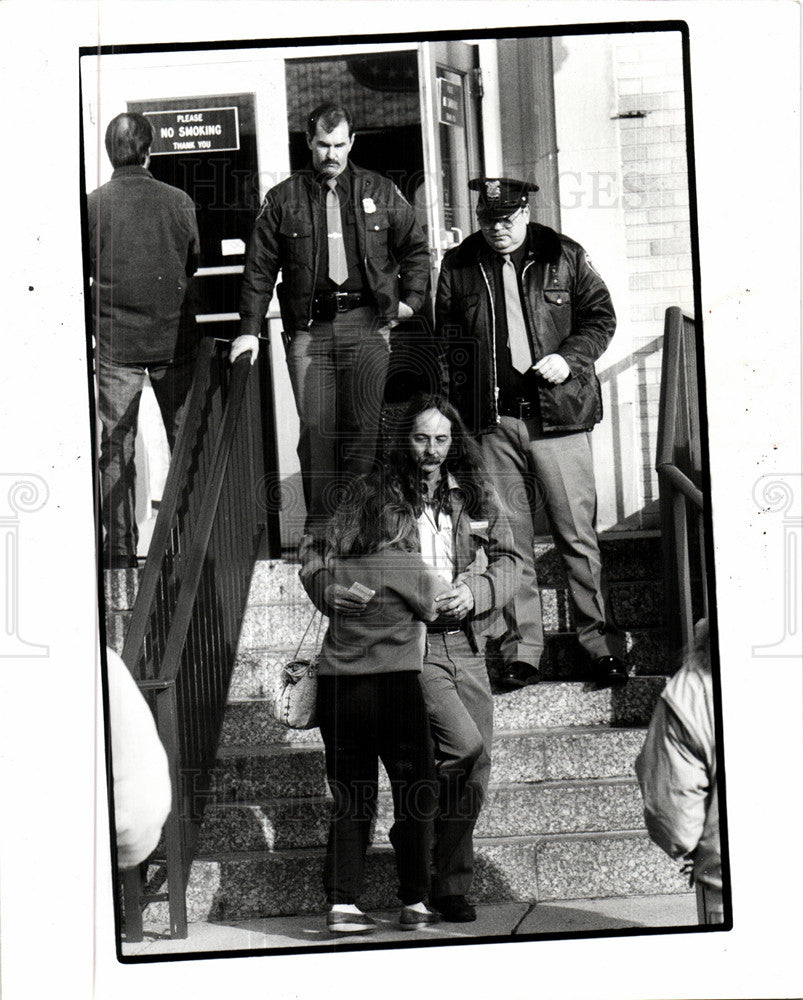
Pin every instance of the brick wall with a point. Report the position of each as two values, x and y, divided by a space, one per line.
648 78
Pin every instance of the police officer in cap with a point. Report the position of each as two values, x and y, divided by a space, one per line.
522 316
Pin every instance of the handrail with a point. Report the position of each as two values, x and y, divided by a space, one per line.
682 483
158 549
679 466
182 639
203 529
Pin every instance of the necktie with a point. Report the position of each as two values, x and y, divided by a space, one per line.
518 340
338 269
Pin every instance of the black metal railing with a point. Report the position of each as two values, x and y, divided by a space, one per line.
182 639
679 467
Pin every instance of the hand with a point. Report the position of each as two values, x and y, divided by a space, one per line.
343 600
553 368
457 601
241 345
405 312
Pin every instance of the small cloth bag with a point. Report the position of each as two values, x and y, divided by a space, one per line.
295 700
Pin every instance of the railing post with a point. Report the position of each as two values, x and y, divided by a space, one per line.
167 723
132 904
668 543
681 540
678 466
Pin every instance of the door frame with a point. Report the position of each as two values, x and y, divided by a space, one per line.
461 58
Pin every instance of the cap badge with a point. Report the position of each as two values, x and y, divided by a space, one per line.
493 191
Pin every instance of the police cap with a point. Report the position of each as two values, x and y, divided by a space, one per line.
500 196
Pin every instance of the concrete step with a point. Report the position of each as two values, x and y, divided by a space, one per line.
120 588
510 810
627 556
248 775
280 624
258 667
551 703
228 886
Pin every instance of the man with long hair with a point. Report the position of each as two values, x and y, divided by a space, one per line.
434 468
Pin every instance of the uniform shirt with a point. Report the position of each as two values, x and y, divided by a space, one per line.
512 384
355 281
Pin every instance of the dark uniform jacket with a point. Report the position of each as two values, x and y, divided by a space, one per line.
569 312
143 250
287 236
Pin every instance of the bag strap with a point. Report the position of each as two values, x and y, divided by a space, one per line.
318 634
306 632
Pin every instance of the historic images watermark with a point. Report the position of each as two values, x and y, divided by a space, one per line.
782 494
20 493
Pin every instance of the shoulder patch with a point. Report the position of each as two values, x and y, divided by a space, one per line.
262 208
590 264
397 192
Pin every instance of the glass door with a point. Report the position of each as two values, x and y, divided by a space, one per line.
452 140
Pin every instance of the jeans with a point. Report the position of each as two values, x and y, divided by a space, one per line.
458 698
365 718
119 391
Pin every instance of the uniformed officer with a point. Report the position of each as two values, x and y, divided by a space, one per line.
521 317
354 262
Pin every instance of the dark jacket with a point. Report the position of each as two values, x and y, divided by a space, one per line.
287 236
143 250
569 312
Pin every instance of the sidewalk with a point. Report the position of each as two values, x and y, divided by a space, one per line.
502 920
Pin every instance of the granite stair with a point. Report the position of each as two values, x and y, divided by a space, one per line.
563 816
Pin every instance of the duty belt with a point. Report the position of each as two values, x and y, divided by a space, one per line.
520 408
326 307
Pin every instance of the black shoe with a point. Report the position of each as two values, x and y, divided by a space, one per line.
346 922
609 671
455 909
413 920
518 675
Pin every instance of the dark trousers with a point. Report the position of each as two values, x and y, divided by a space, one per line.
530 468
458 698
119 392
364 719
338 371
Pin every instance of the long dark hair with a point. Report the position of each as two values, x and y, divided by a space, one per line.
464 461
371 515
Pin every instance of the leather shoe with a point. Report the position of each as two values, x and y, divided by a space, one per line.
518 675
609 671
346 922
455 909
411 919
